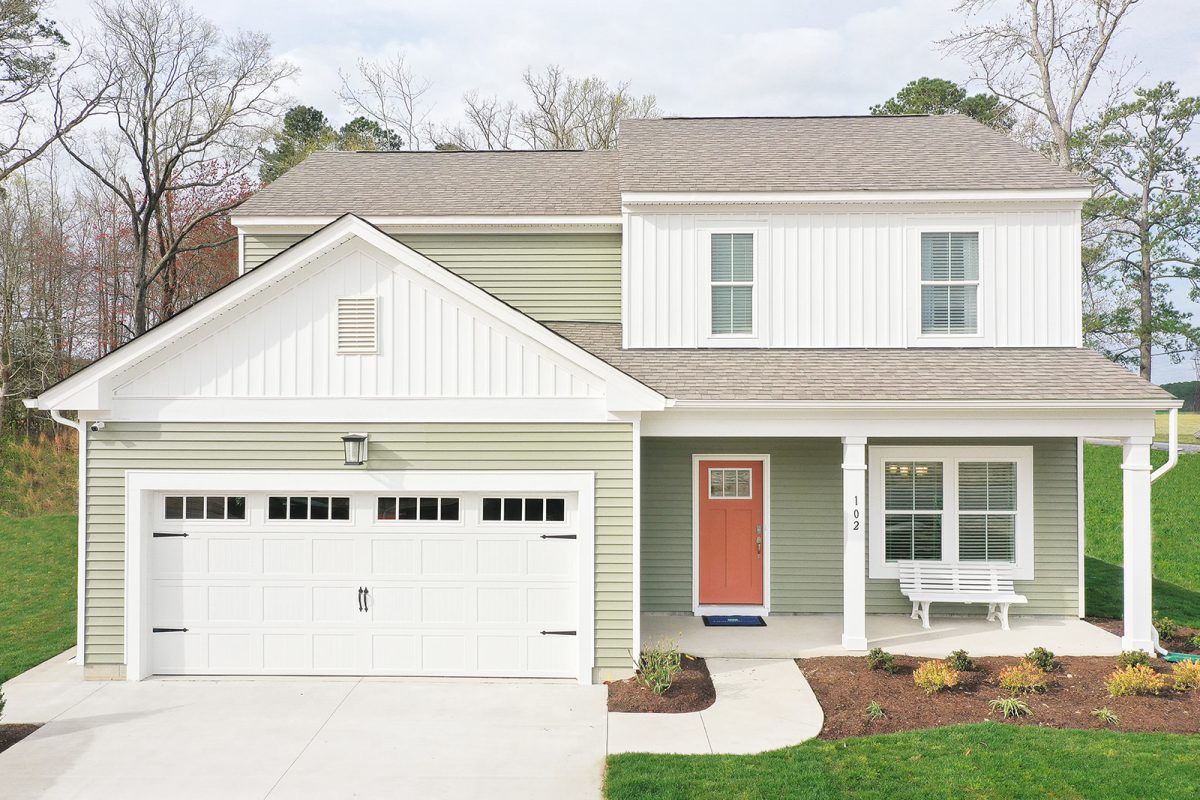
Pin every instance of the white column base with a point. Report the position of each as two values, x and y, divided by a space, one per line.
855 644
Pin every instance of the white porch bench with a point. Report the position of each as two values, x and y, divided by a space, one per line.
927 582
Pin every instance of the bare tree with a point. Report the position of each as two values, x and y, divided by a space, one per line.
489 125
388 92
1044 58
33 76
188 111
577 113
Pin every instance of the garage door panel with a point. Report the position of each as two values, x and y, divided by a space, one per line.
459 598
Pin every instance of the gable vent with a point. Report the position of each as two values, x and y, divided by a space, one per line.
357 325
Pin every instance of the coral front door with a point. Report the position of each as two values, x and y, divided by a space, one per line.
731 532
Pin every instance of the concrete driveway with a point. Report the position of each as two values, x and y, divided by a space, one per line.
280 738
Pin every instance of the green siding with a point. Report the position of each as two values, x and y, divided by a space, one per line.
553 277
806 519
606 449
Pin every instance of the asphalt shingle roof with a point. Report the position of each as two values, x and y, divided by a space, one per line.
790 154
971 374
375 184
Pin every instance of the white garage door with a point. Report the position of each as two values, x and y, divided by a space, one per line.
440 583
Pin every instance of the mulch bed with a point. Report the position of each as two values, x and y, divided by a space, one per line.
692 690
11 734
1181 642
844 686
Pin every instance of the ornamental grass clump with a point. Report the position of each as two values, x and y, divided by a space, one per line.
875 711
1011 707
1024 677
1186 675
878 659
658 666
1141 679
1106 715
933 676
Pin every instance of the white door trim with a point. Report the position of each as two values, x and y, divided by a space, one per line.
141 485
765 608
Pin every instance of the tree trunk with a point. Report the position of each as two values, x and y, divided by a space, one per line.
1145 331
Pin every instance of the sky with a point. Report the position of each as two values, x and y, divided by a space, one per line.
698 58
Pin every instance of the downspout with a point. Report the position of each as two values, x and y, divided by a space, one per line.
1172 460
61 420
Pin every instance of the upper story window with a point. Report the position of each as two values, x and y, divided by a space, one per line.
732 284
950 283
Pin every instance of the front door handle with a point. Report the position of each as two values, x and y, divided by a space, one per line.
758 545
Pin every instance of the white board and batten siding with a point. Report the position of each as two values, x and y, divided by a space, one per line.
429 344
851 278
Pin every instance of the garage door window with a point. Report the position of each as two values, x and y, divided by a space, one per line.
308 508
204 507
417 509
524 509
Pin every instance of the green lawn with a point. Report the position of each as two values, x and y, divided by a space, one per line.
1189 423
1176 510
37 590
980 762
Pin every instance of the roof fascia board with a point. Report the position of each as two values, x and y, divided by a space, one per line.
1147 404
1077 195
270 223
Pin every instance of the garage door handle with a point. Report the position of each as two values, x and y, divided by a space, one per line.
366 607
360 598
557 633
559 536
168 630
160 535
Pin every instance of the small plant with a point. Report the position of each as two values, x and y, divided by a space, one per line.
658 666
1141 679
1011 707
1195 641
1133 658
1024 677
961 661
1106 715
1165 626
878 659
1186 675
1043 658
933 676
875 711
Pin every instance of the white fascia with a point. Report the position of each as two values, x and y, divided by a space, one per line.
632 199
306 223
91 388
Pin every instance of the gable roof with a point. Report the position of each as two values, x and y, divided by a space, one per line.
800 154
1068 374
519 183
92 387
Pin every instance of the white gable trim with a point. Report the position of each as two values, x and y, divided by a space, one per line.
633 199
92 387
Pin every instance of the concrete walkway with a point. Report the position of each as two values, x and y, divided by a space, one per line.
762 704
293 739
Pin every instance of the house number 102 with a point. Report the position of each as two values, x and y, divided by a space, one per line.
855 514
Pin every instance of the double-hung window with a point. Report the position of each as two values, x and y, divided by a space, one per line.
731 278
950 283
951 504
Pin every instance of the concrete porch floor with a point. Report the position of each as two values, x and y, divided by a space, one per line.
810 635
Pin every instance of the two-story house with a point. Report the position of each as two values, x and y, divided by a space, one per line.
476 413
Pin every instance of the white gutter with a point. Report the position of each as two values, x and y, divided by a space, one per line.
1172 445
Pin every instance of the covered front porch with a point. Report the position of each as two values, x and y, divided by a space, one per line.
813 635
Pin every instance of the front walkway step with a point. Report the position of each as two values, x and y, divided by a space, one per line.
762 704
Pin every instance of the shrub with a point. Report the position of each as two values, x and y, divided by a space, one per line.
1141 679
1133 658
1011 707
1024 677
1195 641
1106 715
961 661
878 659
875 711
658 666
1043 658
1186 675
1165 626
933 676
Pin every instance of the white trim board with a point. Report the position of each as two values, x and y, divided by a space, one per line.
1077 195
142 485
264 223
697 608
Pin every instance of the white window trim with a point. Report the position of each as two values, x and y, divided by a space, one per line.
704 333
983 332
1022 456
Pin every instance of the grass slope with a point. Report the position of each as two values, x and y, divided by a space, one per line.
39 477
1176 520
37 590
1189 423
982 762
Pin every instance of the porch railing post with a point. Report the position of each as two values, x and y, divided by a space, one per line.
1138 546
854 543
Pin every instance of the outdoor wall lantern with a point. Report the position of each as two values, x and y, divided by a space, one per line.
356 449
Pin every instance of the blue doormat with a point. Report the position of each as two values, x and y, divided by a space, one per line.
733 621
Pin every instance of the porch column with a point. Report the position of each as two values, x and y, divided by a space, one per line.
854 543
1139 571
